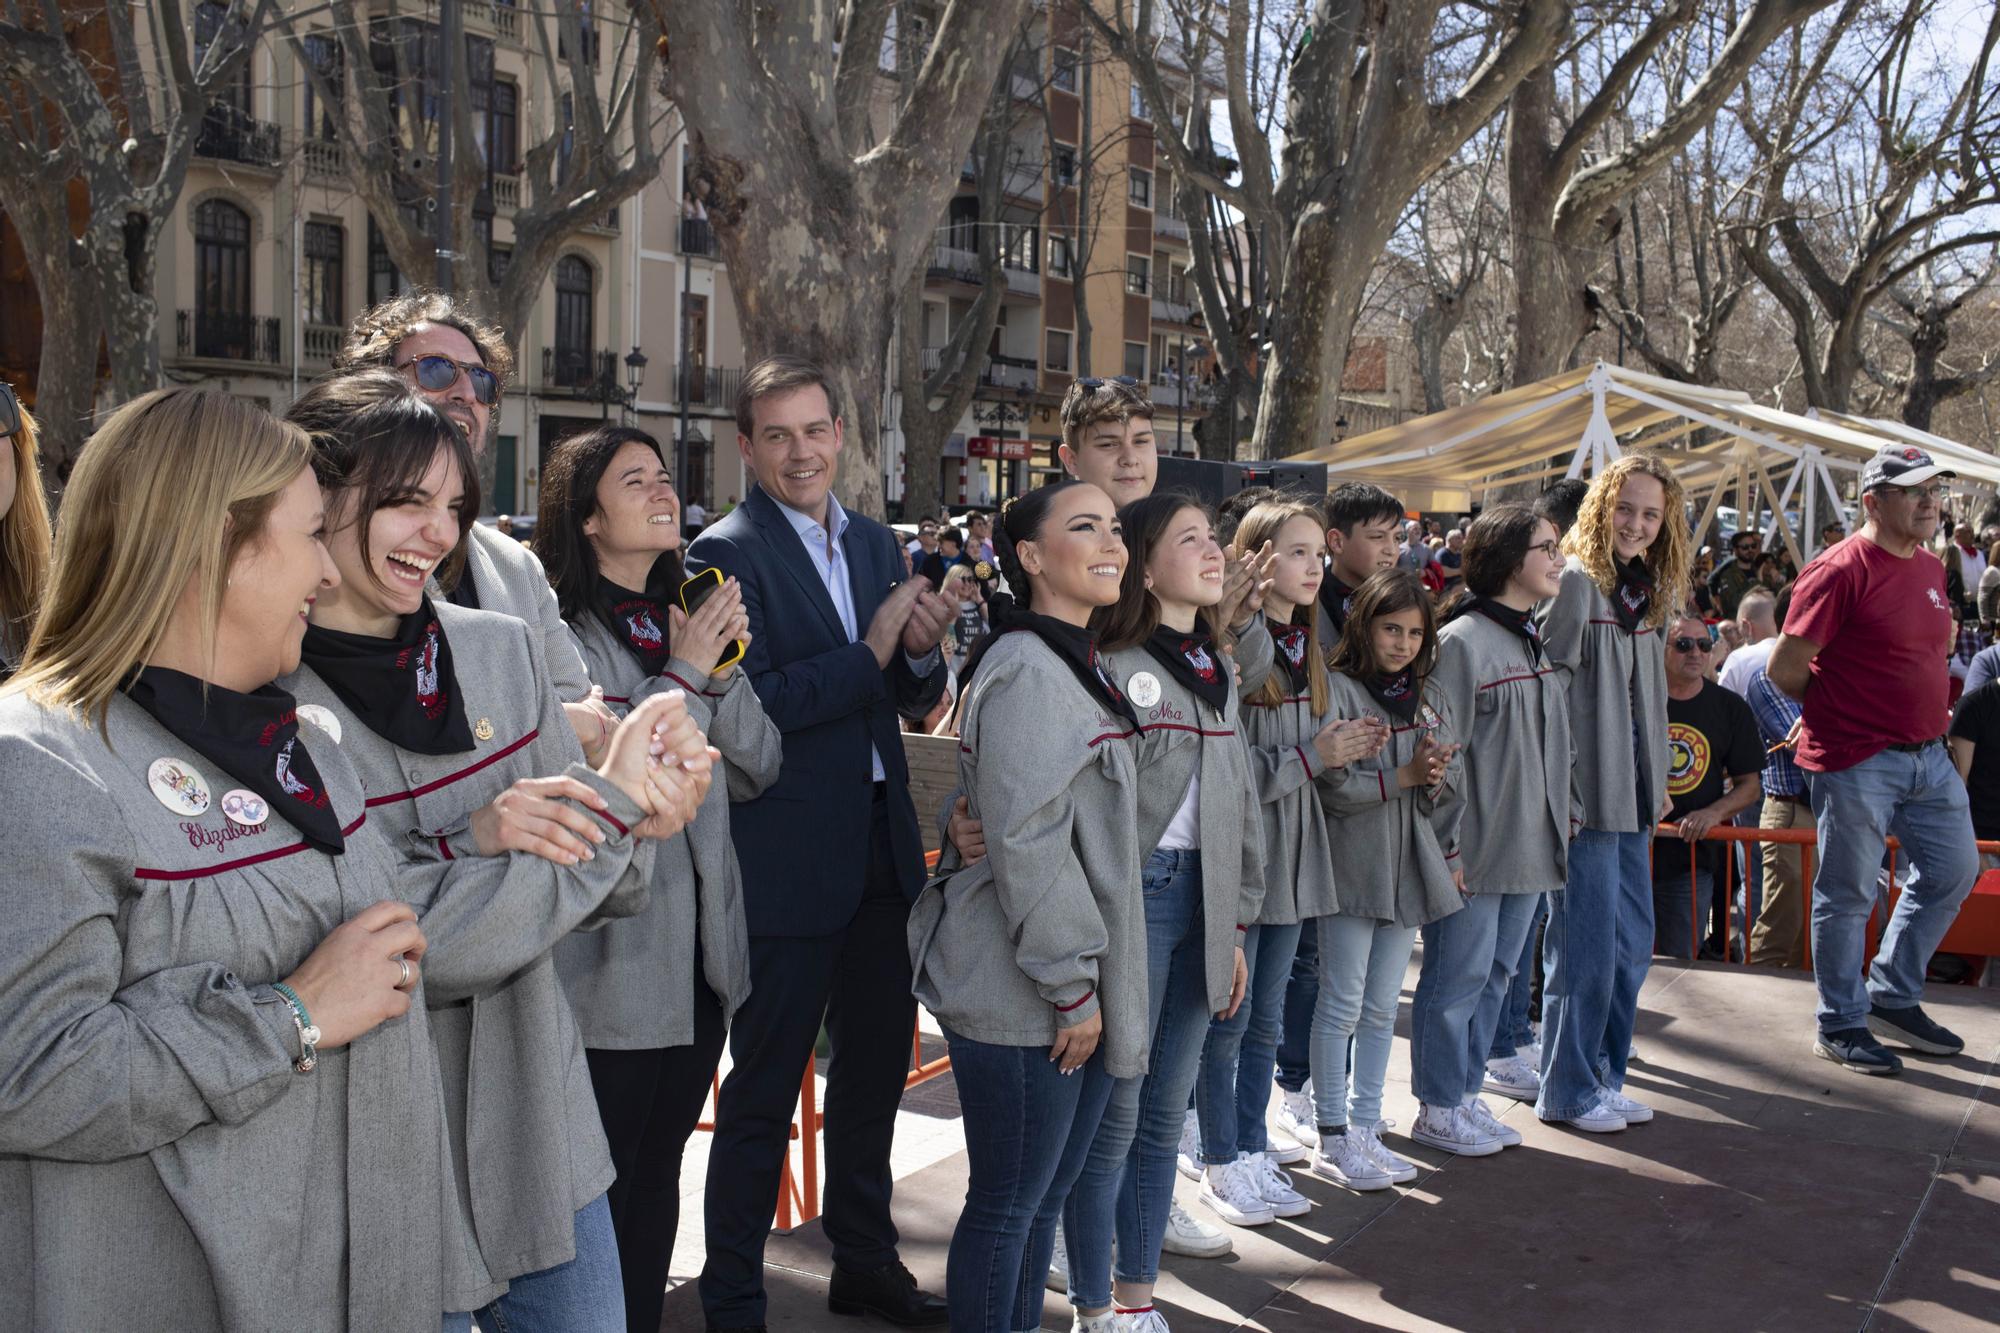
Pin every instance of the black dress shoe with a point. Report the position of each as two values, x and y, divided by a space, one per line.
889 1291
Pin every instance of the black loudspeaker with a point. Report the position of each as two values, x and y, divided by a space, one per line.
1214 482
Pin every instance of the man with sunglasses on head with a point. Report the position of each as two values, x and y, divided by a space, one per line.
461 363
1864 650
1711 734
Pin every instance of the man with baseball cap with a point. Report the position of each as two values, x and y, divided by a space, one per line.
1864 650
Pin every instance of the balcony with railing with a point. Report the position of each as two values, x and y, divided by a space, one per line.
1166 224
1024 181
324 159
230 135
708 386
1171 306
1009 372
322 341
698 238
1175 390
505 187
502 19
226 337
1022 281
574 367
951 264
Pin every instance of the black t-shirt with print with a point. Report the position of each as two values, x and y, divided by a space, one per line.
1709 737
1977 719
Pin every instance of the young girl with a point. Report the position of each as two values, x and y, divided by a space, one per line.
1033 958
1203 887
1514 821
1292 741
448 715
1394 868
1627 570
653 993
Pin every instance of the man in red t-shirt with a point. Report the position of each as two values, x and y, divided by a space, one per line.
1864 650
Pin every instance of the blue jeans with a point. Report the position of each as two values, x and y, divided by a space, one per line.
1301 998
1233 1089
581 1296
1681 905
1022 1114
1361 967
1919 798
1469 959
1596 953
1127 1183
1516 1029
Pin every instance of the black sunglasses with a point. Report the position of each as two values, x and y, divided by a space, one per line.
436 373
1686 645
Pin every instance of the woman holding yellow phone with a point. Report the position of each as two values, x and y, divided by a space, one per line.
652 997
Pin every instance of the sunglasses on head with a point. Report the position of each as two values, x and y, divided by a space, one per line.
1093 384
10 411
436 373
1685 644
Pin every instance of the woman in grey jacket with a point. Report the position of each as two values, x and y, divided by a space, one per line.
1395 867
1514 818
1203 888
221 1053
448 714
654 993
1627 572
1033 958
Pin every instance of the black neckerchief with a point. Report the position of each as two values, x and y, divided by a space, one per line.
254 738
1633 595
1292 642
1398 694
1517 622
462 592
401 688
1077 647
1191 658
1338 599
638 620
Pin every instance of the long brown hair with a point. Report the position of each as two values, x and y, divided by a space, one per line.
1263 524
569 499
1384 594
1132 619
25 541
1671 553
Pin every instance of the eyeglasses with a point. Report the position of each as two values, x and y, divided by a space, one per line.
1686 645
1917 493
436 373
10 411
1553 550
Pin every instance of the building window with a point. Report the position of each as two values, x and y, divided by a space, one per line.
575 320
1139 104
1059 256
503 129
1138 274
1062 164
1141 191
1065 69
222 324
568 144
1019 244
1056 356
384 278
325 273
1135 361
210 17
324 55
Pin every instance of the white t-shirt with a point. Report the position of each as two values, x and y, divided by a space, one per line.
1971 565
1741 665
1184 830
696 515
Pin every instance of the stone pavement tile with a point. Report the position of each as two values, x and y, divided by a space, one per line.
1948 1276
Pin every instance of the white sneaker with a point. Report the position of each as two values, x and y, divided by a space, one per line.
1634 1112
1094 1323
1597 1118
1148 1320
1345 1160
1401 1169
1513 1077
1188 1160
1449 1128
1296 1117
1287 1153
1230 1191
1058 1276
1275 1186
1482 1115
1190 1237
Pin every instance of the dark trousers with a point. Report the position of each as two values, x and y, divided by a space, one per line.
859 978
650 1102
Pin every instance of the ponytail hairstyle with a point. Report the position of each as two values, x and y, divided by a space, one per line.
1263 524
1132 619
1019 520
1384 594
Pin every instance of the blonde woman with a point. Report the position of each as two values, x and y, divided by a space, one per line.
218 1049
1627 570
24 530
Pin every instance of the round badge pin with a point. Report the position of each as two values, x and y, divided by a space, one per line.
321 717
1143 689
482 730
245 807
179 786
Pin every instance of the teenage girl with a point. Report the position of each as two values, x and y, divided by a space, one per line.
1033 958
1394 867
1627 572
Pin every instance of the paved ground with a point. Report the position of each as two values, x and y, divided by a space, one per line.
1774 1191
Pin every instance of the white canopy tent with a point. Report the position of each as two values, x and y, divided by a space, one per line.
1577 422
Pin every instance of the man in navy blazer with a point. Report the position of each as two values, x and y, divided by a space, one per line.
843 644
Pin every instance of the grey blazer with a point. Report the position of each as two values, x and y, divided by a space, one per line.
526 1140
1392 849
509 579
161 1165
1617 685
1516 805
1298 860
1049 927
1178 737
632 982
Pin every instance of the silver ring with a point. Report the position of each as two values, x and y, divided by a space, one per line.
403 963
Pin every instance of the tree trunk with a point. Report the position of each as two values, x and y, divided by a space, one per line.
1325 284
66 379
1549 314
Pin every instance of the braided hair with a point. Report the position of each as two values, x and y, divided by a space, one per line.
1019 520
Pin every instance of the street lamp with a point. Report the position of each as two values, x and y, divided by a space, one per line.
635 372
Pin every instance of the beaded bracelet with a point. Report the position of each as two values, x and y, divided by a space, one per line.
308 1034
